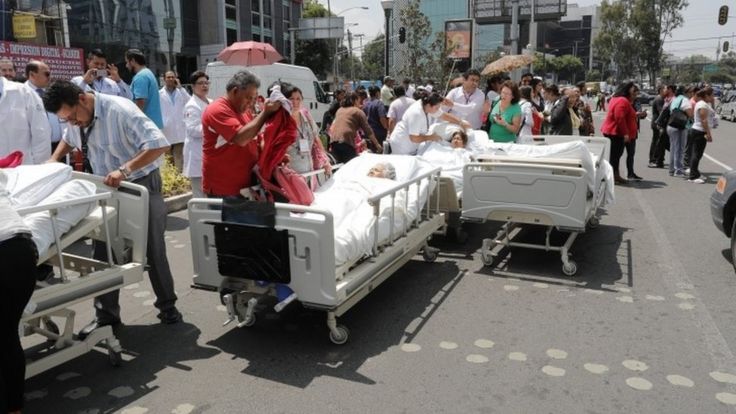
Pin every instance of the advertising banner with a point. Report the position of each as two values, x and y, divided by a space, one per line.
458 38
24 26
64 63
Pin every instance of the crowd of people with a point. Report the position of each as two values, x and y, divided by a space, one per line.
106 127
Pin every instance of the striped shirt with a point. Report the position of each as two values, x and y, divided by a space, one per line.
118 133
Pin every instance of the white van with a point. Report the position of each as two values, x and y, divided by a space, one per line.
302 77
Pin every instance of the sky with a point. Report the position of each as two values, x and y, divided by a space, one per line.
700 21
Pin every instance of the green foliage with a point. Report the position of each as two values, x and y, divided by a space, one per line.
720 77
373 58
593 75
318 54
633 32
418 30
173 182
567 67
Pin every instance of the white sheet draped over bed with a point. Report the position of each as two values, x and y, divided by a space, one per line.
346 197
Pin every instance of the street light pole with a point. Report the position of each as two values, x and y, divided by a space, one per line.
388 6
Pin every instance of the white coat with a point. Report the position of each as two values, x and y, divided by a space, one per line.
25 126
193 143
173 114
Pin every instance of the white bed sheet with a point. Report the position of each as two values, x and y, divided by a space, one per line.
40 223
346 195
28 185
451 160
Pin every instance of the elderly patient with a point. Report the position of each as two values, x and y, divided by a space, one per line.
459 139
383 170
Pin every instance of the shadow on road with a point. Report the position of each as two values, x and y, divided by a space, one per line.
148 349
174 223
293 348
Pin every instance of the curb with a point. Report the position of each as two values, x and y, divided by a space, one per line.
177 202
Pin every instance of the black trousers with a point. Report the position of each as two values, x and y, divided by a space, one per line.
630 152
18 257
658 147
617 150
697 147
342 152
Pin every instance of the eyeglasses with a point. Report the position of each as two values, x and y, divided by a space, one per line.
202 83
72 117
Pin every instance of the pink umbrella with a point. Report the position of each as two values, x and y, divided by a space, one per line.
249 54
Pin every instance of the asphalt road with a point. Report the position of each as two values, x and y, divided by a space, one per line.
647 326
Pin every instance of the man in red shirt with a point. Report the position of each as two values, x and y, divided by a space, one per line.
230 145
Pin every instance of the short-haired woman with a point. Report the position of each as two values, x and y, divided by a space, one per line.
505 116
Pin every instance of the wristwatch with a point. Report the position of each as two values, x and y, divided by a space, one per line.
125 171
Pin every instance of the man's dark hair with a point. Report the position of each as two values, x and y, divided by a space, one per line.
194 77
349 100
624 89
136 56
61 92
535 82
527 75
432 99
399 91
471 72
681 90
553 89
32 66
96 53
374 91
526 92
581 85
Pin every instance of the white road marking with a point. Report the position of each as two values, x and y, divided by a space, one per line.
596 368
684 296
675 277
35 395
686 306
448 345
149 302
121 392
625 299
639 384
410 347
653 297
517 356
484 343
183 409
540 285
510 288
556 354
680 381
723 377
78 393
715 161
67 375
553 371
142 294
476 359
135 410
635 365
726 398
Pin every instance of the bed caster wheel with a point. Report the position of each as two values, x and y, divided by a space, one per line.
248 322
487 259
339 336
51 326
570 268
594 222
429 254
115 357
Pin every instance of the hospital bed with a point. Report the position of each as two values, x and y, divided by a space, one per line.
119 218
557 192
301 250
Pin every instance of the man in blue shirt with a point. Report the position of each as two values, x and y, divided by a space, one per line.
376 113
144 86
124 144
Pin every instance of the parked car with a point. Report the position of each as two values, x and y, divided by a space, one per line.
644 98
723 208
726 106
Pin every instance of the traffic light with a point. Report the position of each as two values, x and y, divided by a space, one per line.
402 34
725 46
723 15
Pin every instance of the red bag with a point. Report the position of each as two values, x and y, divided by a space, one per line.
13 160
287 186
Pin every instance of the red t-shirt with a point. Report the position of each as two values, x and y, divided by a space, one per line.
226 166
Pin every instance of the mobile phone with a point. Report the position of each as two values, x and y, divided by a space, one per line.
101 73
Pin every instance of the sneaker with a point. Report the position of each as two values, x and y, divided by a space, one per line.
697 181
679 175
170 316
687 171
634 177
652 165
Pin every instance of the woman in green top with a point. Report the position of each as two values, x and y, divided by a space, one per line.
506 114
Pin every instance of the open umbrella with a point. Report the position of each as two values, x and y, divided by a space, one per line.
249 54
507 64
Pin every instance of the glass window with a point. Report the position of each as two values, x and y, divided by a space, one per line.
267 7
230 2
257 37
230 13
255 19
232 36
286 12
255 5
320 94
267 39
267 22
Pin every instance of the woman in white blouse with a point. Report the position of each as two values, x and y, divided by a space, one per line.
193 120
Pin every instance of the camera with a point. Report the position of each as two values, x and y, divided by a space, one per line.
101 73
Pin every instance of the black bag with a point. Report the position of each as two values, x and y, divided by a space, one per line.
678 119
664 118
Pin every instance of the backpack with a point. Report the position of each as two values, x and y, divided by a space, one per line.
678 119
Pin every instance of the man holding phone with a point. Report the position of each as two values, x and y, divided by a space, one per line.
101 77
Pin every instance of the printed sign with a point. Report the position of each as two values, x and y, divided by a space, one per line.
24 26
64 63
458 38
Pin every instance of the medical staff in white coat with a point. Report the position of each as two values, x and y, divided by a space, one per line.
193 120
25 127
413 129
39 76
173 99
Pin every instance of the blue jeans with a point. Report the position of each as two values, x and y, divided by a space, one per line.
678 137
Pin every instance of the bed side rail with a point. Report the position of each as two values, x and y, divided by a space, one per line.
426 210
600 146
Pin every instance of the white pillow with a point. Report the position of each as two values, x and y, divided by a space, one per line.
29 184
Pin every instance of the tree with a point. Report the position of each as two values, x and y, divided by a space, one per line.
316 54
653 21
373 58
613 44
418 30
566 66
